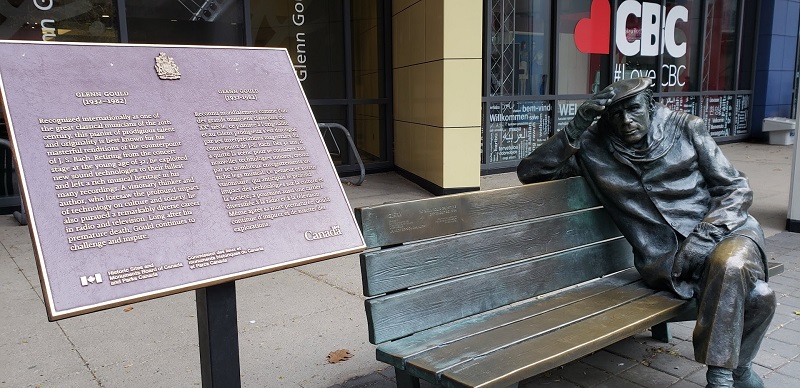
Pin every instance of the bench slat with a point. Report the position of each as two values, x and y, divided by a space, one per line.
530 358
414 264
446 356
399 314
397 223
395 353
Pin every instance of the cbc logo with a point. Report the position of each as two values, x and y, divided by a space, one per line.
592 35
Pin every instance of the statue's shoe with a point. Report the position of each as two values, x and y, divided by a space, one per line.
743 377
719 377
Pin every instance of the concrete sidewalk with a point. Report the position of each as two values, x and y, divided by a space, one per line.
290 320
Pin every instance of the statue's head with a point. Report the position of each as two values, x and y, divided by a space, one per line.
630 111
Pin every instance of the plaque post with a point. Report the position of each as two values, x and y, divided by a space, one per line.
219 335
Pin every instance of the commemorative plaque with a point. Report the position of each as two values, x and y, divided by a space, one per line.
150 170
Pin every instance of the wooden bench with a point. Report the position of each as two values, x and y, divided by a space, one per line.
491 287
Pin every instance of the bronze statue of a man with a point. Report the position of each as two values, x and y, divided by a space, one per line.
682 206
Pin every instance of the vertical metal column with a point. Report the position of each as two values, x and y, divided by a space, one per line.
218 333
793 216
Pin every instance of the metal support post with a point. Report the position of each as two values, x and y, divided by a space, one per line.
219 336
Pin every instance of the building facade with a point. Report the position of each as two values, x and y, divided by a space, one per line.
444 91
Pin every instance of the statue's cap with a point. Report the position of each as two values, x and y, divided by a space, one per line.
629 88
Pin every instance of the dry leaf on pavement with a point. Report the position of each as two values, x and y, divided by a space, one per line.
339 356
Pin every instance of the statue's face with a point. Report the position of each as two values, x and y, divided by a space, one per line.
630 119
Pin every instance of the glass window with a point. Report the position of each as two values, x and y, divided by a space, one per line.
718 114
681 35
741 120
367 64
185 22
687 104
369 134
567 109
313 34
579 72
60 20
520 48
515 129
636 39
719 55
746 55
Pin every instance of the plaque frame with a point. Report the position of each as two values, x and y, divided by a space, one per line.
37 217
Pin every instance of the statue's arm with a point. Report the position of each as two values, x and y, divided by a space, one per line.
554 159
727 210
730 192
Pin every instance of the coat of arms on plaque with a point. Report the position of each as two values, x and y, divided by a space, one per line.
166 67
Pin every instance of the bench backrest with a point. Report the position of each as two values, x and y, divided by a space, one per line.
440 259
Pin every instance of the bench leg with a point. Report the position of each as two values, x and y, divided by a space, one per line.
661 332
404 379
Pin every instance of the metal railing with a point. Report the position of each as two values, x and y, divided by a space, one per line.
327 127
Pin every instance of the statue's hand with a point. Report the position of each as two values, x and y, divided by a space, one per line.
694 251
588 112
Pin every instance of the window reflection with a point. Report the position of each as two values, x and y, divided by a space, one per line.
312 32
578 72
679 74
633 57
720 45
367 72
200 22
520 48
66 20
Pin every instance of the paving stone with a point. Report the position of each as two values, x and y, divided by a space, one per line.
685 349
785 310
685 384
698 377
609 362
633 348
790 369
373 380
674 364
776 379
547 379
687 324
784 240
789 300
760 370
648 377
778 281
792 273
583 374
616 382
785 335
770 360
779 322
783 349
682 332
793 325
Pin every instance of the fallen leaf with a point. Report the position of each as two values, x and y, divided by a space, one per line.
126 309
339 356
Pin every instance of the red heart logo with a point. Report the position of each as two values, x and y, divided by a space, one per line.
593 34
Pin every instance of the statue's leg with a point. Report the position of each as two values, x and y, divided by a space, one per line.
735 305
759 309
